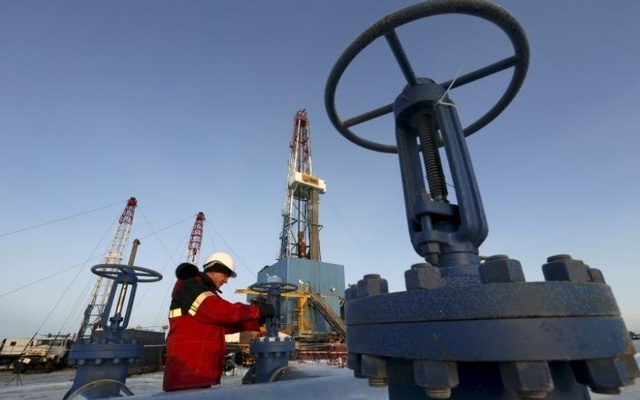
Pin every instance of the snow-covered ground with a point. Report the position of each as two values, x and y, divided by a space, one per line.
54 386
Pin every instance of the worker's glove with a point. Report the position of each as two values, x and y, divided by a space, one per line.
258 300
266 311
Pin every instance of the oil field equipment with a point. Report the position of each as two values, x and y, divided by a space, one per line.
98 299
466 329
271 351
195 239
102 367
311 313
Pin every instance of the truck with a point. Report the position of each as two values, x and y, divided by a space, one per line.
11 350
46 353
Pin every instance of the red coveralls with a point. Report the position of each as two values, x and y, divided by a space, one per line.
198 320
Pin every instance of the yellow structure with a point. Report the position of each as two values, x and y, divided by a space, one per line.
303 327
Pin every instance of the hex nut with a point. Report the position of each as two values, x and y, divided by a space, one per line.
565 268
630 366
436 377
501 270
372 285
530 380
351 293
422 276
354 362
596 275
605 375
375 368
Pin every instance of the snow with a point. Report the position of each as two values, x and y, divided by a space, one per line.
53 386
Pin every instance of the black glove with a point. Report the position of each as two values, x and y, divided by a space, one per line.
266 311
258 300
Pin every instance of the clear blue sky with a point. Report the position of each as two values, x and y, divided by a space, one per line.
188 106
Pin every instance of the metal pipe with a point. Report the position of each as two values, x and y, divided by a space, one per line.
312 388
125 286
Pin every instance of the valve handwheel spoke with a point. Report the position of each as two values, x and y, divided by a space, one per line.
386 27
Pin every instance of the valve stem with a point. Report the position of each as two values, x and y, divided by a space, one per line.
431 158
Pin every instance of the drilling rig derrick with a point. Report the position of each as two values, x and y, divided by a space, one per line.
102 288
300 236
195 241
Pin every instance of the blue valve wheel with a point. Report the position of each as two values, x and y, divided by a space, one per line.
272 287
112 271
386 27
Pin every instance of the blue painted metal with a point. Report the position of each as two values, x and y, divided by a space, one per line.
102 367
320 277
271 351
498 339
466 329
443 233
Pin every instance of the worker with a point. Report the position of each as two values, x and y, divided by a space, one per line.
198 320
302 246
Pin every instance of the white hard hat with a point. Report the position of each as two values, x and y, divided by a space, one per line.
220 262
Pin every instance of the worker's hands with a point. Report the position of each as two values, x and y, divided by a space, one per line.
258 300
266 311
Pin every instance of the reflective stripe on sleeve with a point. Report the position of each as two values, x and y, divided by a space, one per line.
176 312
196 303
